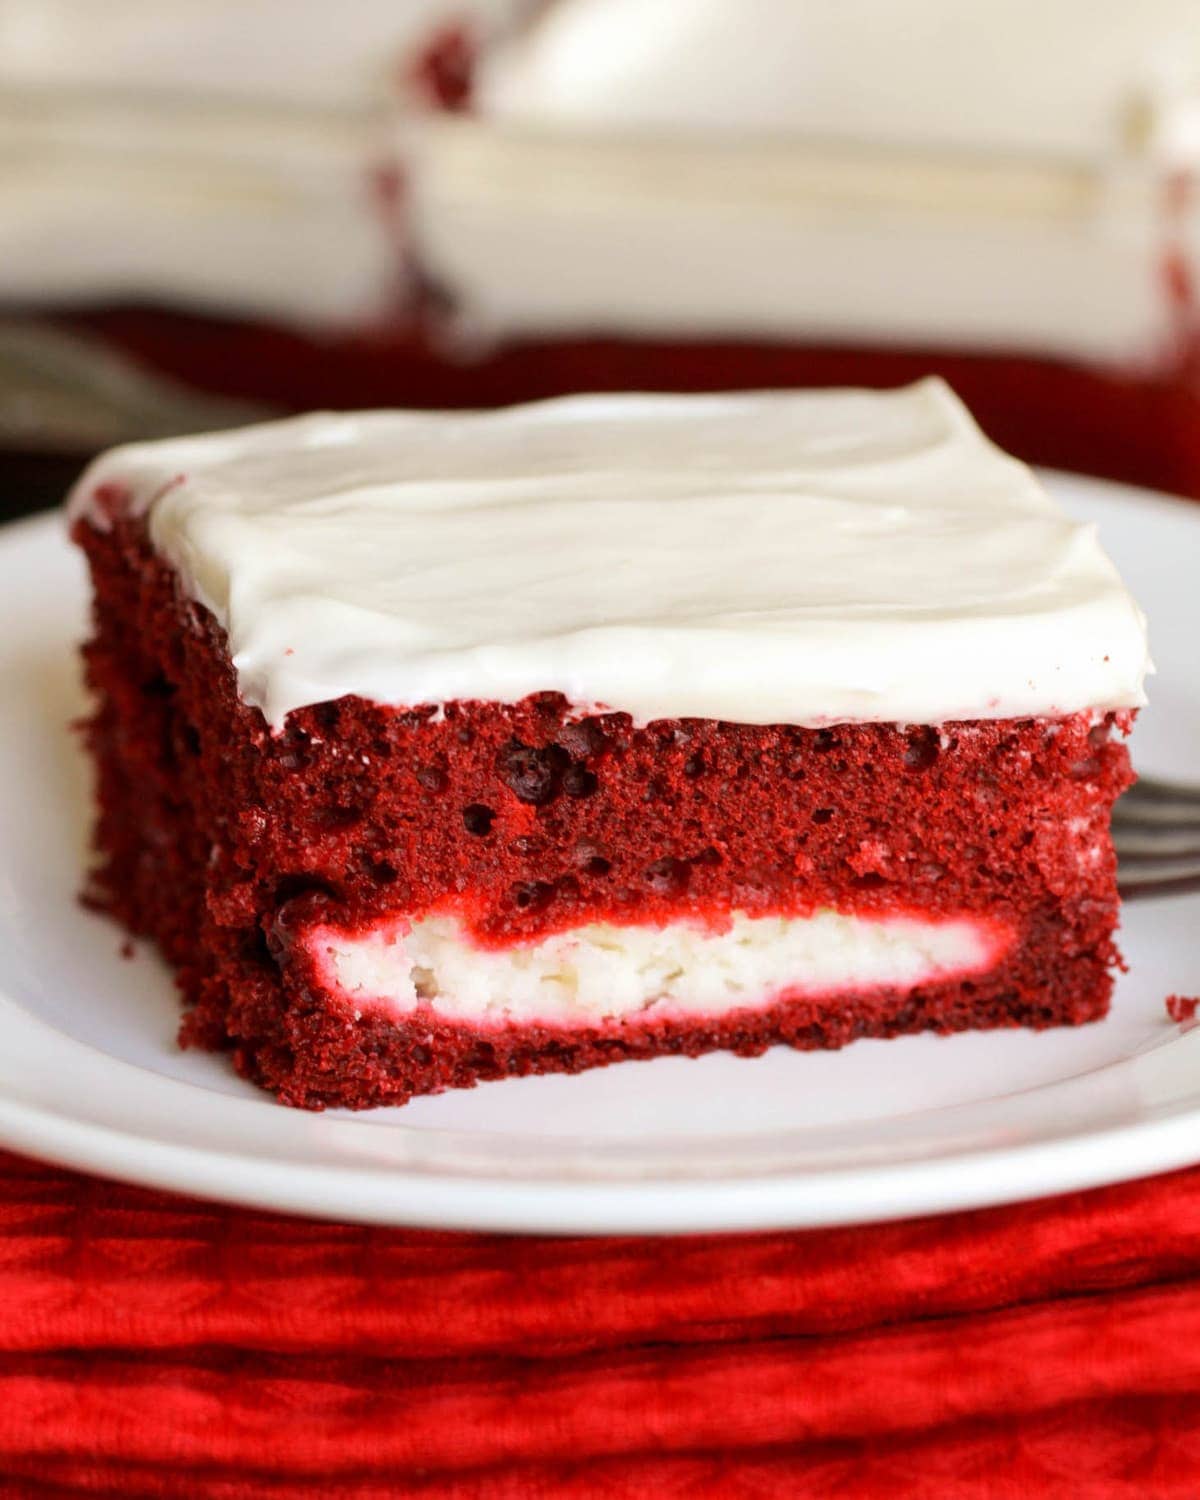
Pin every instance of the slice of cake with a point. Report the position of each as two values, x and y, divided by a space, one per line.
435 748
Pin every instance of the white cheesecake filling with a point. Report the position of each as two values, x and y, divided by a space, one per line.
607 972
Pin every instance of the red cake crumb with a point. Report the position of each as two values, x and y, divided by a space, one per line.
224 842
1182 1008
442 75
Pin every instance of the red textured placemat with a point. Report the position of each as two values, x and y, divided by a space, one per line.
151 1345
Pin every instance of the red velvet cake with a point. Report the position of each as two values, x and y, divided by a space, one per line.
438 748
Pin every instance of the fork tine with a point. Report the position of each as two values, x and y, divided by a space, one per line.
1154 876
1156 834
1151 812
1149 889
1169 885
1154 789
1137 842
1135 819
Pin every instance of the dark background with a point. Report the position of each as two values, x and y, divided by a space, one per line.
35 481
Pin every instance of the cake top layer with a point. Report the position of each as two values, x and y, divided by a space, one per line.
800 558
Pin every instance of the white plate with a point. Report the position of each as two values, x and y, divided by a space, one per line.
90 1075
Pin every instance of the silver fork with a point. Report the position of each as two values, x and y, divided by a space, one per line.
1156 831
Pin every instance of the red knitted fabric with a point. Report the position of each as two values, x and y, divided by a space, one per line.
152 1346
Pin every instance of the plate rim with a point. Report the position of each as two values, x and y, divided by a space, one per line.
473 1200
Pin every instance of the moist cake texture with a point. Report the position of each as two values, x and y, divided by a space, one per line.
440 748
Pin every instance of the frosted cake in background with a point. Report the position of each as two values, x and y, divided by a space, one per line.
596 194
683 193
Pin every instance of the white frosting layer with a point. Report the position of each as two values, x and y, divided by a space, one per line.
931 173
604 972
800 558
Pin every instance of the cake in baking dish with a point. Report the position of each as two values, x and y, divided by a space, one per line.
630 195
438 747
685 194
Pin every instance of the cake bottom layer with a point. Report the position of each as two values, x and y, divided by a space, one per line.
603 972
381 1012
322 1050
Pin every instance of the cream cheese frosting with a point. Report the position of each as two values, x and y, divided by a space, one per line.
781 557
933 173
